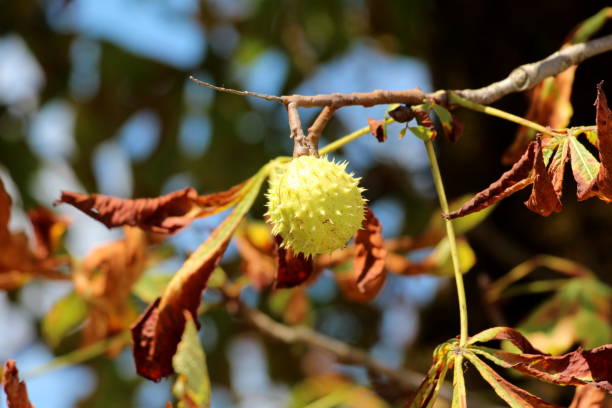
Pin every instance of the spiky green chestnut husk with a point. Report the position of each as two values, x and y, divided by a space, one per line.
314 205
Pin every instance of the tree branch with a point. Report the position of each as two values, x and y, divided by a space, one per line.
520 79
315 131
406 380
529 75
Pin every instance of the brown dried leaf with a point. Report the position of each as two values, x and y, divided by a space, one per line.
510 182
578 367
367 275
48 230
505 333
543 199
402 114
258 266
602 185
105 279
377 129
16 391
589 396
165 214
158 331
291 269
17 262
556 168
423 119
513 395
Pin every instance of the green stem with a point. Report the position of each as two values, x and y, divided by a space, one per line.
450 233
455 99
349 138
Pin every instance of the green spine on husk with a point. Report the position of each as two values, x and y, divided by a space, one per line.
314 205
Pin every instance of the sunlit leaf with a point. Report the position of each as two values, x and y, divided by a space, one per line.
514 396
584 167
159 329
65 315
192 385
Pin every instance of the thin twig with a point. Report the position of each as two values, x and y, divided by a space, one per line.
407 380
315 131
520 79
235 91
300 143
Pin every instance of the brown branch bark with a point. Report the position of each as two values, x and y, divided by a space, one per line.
529 75
315 131
520 79
406 380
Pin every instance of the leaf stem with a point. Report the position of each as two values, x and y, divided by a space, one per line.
350 137
457 100
450 233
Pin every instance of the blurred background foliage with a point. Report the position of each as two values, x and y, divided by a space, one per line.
95 97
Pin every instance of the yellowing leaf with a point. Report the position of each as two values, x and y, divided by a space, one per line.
192 385
65 315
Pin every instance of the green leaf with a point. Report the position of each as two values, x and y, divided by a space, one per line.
192 385
422 132
65 315
402 133
467 257
459 394
584 167
151 286
445 118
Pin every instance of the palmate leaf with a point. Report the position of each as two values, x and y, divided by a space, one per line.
158 331
579 367
514 396
427 393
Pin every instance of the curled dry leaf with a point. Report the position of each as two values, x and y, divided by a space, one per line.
510 182
602 185
158 331
378 129
578 367
15 390
48 231
367 275
257 251
166 214
291 269
544 199
105 279
17 261
513 395
589 396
